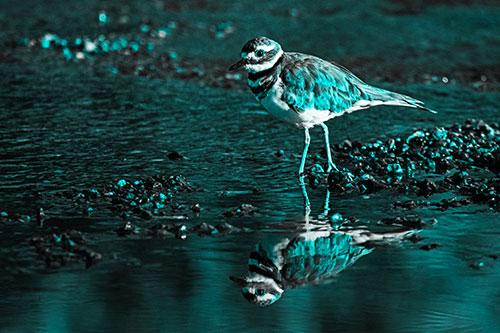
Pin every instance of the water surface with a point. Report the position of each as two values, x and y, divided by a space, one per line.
75 125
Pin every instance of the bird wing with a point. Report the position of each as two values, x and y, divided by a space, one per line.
313 83
317 260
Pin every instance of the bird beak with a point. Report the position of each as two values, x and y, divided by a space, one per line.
239 281
237 65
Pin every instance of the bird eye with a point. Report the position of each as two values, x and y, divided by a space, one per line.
260 292
259 53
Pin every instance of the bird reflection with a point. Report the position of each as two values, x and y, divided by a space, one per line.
314 254
310 257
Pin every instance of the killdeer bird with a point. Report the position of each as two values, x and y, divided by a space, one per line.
309 258
306 91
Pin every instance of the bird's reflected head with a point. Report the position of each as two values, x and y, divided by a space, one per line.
258 289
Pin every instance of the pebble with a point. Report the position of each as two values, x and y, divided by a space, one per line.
142 198
242 210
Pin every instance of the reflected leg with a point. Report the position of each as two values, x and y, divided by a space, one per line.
331 165
326 206
304 155
307 204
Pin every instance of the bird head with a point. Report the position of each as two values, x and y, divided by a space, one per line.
258 289
258 54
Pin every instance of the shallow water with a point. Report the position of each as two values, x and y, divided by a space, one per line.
74 125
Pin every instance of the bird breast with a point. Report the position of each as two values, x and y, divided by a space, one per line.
277 107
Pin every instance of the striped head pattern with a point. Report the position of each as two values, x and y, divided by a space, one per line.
259 54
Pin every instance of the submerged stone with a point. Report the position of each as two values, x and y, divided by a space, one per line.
160 230
413 223
40 216
143 198
175 156
429 247
127 229
196 208
58 250
203 229
242 210
477 265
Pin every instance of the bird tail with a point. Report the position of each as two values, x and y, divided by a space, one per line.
386 97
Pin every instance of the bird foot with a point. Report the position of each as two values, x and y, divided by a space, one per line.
332 167
342 175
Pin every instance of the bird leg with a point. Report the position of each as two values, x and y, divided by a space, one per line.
304 154
331 165
307 203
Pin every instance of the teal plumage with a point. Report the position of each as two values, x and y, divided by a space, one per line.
310 82
313 83
279 263
307 261
306 91
274 266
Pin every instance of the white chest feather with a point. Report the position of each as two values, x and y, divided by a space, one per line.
275 105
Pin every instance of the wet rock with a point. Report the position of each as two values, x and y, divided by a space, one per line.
22 218
293 12
347 145
91 257
196 208
494 164
40 217
222 29
415 238
144 198
225 228
315 175
336 218
450 203
83 48
222 228
136 52
160 231
4 217
58 250
340 181
204 229
425 187
242 210
280 153
413 223
410 204
127 229
368 184
402 165
173 155
477 265
180 231
179 183
429 247
143 213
